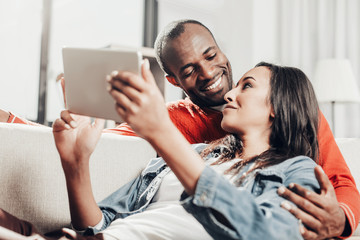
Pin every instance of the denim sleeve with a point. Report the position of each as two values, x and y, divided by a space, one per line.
120 201
228 212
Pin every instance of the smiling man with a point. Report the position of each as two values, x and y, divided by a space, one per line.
204 73
192 60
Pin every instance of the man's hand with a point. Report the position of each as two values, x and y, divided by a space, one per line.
320 213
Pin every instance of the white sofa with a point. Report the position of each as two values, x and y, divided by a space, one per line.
33 185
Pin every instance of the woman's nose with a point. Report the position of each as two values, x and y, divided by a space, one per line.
229 96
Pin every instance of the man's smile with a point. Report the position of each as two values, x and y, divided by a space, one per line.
214 86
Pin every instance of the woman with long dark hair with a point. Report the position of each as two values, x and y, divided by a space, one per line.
223 190
272 120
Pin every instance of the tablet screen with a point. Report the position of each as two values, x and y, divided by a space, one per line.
85 73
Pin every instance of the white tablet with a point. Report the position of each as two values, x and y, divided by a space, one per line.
85 71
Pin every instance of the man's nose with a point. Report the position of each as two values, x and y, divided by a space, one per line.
208 71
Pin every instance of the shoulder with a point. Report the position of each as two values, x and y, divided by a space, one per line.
199 147
300 170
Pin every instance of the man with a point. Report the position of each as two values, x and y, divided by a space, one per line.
189 55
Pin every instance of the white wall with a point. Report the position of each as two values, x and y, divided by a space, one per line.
248 31
20 33
85 23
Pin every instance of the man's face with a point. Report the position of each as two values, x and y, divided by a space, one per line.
200 68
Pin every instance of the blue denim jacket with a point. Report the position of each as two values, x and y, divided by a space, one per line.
227 212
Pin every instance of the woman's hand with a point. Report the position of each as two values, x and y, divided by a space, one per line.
139 101
75 138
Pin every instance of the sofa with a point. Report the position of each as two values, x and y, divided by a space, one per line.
33 184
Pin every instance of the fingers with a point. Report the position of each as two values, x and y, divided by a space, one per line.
68 119
308 234
60 125
131 93
324 182
307 219
127 78
303 198
146 72
99 123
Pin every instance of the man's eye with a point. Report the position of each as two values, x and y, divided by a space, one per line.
211 57
188 73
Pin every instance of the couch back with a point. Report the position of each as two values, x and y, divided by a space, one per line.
31 177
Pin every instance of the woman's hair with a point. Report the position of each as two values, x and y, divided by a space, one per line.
294 127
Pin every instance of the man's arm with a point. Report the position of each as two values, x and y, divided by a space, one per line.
321 214
346 199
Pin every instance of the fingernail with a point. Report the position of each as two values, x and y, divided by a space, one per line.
320 168
146 64
73 124
108 78
291 185
302 229
286 205
114 73
108 87
281 190
67 126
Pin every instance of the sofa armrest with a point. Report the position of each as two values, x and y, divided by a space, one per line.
31 177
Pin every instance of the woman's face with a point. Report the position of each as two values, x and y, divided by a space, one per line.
248 106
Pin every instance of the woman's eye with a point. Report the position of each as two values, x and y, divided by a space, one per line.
247 85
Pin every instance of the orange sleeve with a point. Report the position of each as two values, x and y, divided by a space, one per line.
15 119
122 129
335 167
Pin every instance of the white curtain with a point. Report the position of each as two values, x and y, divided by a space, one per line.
310 30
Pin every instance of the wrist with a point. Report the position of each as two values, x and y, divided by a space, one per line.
75 168
161 133
345 228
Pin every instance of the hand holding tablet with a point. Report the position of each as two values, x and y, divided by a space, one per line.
85 72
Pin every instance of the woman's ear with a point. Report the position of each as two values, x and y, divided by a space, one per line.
272 113
172 80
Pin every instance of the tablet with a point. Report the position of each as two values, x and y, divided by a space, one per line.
85 71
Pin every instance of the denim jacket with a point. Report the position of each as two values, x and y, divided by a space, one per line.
251 211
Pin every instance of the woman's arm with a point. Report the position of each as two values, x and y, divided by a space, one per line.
75 139
140 103
251 212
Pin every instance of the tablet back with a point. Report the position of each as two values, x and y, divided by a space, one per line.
85 73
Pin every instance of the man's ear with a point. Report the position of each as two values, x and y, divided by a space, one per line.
172 80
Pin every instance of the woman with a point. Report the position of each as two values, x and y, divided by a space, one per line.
271 116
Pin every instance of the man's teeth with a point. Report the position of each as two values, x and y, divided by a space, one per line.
214 85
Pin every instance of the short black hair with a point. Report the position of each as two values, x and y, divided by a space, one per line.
172 31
